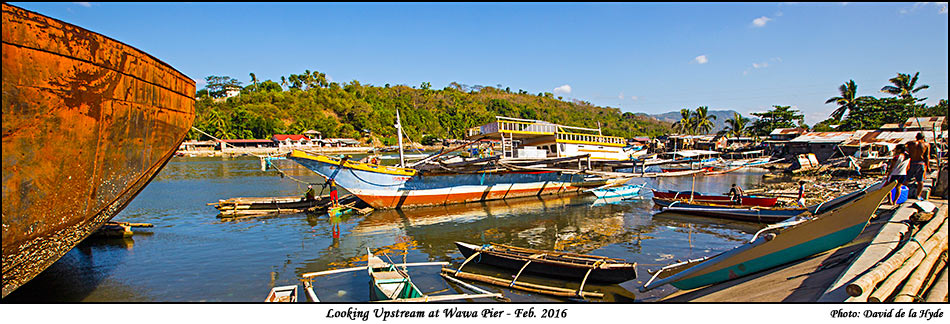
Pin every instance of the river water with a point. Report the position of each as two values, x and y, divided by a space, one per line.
192 256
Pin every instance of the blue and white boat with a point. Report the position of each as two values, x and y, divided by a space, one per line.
624 191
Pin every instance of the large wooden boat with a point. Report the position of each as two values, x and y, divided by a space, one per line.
593 268
742 213
513 172
710 198
87 122
842 220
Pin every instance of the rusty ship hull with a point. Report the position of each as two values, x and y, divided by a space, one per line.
87 122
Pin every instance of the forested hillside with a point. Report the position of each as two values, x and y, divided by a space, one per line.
308 101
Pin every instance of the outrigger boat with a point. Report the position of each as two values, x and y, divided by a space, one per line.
613 192
715 199
742 213
283 294
550 263
549 159
840 221
389 283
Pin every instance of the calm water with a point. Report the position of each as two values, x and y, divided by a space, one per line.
192 256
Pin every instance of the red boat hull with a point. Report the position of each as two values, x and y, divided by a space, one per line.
716 199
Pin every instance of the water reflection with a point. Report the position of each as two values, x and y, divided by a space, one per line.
191 254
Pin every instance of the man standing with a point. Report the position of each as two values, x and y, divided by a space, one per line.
919 152
735 194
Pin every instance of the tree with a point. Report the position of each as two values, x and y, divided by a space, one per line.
847 100
904 86
218 86
778 117
736 126
702 121
685 124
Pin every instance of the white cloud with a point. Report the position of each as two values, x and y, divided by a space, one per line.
564 89
620 96
777 59
761 21
634 98
942 7
760 65
84 4
701 59
779 14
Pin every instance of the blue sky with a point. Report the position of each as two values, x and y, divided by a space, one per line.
639 57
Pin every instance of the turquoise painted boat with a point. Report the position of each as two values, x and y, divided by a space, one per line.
621 191
839 222
387 282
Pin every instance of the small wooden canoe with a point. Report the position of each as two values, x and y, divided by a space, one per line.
550 263
707 169
741 213
283 294
709 198
388 282
797 239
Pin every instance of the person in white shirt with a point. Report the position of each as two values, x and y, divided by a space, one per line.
898 168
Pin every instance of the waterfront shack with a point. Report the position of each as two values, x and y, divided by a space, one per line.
777 143
823 144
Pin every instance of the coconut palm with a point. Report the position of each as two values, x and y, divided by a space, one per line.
702 121
848 101
904 86
685 124
736 126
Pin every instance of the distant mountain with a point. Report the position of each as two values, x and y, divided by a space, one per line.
719 123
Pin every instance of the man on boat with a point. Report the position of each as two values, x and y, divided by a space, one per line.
310 195
736 193
333 194
801 194
919 152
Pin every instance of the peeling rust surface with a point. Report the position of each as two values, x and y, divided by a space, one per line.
87 123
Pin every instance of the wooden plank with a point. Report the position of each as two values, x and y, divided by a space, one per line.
536 288
440 298
329 272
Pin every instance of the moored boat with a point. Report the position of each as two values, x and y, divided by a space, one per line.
742 213
620 191
283 294
710 198
840 223
549 166
551 263
87 123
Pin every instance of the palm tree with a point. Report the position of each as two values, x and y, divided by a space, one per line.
847 102
685 124
702 121
904 86
736 126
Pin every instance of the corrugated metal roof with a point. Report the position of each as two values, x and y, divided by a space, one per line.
925 122
787 131
827 137
888 137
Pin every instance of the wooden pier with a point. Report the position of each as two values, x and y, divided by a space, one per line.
825 277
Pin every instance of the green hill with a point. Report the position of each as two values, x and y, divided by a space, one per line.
351 109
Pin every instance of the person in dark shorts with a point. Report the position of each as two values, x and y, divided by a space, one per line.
736 194
919 153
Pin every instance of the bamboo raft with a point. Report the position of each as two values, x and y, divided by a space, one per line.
243 207
911 272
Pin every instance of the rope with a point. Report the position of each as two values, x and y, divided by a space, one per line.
284 174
